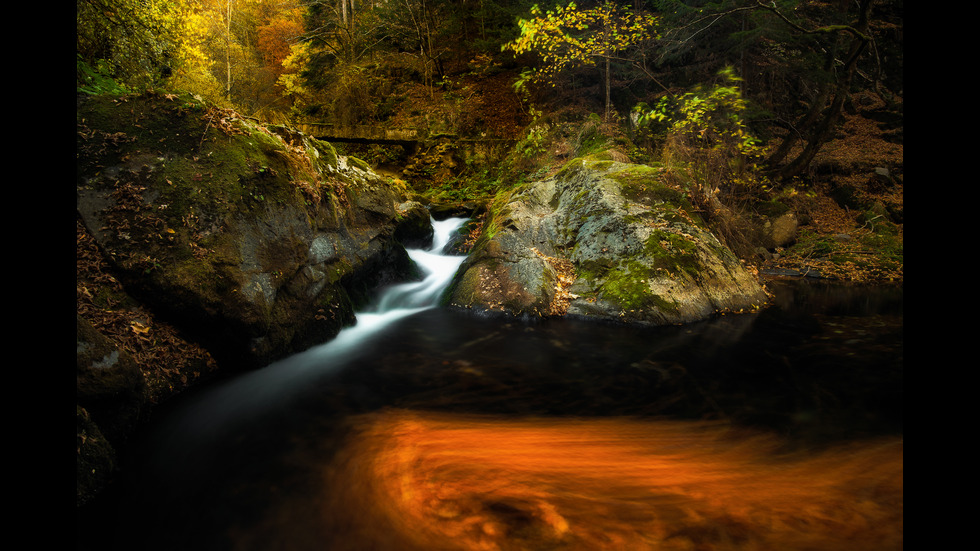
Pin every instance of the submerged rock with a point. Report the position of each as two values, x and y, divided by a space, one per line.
605 240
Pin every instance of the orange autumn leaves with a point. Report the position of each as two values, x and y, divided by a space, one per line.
275 39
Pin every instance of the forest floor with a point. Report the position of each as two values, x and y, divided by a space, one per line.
851 223
170 363
851 226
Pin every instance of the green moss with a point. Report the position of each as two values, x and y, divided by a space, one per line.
628 286
200 276
877 220
597 164
643 184
590 162
889 249
569 169
326 151
772 208
590 138
358 163
673 252
875 251
497 210
810 244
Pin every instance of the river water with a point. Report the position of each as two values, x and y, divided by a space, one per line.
425 428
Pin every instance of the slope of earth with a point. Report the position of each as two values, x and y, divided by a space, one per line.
851 213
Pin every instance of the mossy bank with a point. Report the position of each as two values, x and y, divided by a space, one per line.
258 237
252 242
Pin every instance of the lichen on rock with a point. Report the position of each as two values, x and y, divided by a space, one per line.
604 239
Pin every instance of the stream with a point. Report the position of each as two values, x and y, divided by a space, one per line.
426 428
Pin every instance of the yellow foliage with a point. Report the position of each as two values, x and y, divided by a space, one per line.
568 36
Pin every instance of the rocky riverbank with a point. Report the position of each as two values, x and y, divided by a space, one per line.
206 238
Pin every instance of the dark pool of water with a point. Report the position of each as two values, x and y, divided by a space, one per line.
244 468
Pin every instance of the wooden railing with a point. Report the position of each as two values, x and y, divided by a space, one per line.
361 133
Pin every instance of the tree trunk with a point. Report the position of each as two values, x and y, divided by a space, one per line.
608 87
228 53
825 128
802 127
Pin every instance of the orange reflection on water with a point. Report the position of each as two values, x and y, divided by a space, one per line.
446 482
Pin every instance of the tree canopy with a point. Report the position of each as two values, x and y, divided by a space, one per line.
569 36
135 42
350 61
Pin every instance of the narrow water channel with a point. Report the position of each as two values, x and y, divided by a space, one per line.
425 428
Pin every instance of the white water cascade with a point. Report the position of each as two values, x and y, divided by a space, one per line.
253 391
405 299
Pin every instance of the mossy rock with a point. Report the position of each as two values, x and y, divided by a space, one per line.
110 384
613 241
217 221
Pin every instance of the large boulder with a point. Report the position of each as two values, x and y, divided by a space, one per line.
605 240
110 402
259 241
109 383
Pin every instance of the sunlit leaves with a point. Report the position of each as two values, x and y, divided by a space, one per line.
707 128
131 41
568 36
706 115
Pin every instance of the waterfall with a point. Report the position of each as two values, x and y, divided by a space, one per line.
248 394
405 299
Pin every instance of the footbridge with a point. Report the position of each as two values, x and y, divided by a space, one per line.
413 140
408 137
367 133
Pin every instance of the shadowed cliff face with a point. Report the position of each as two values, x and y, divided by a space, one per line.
258 240
605 240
